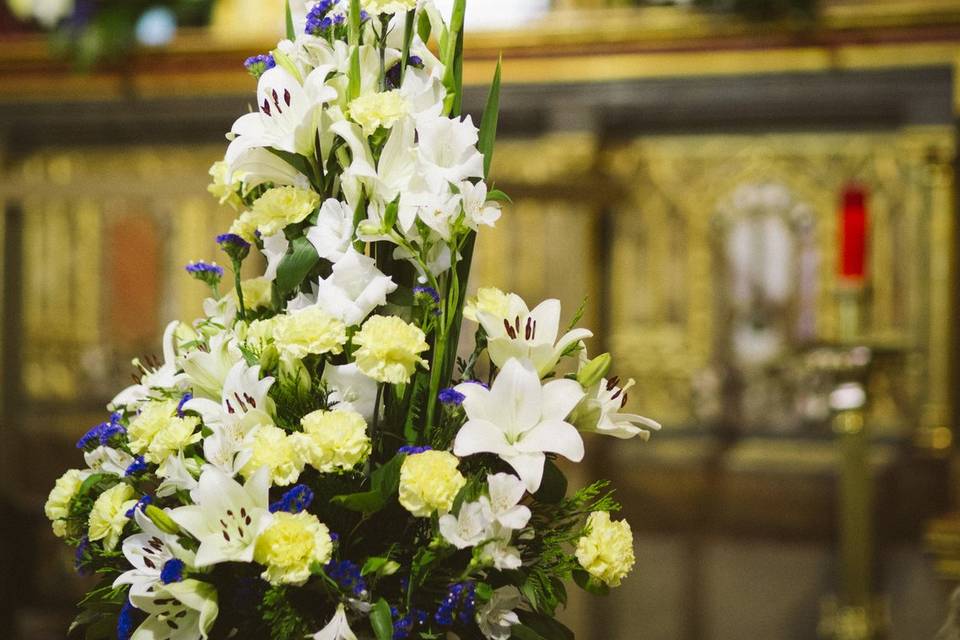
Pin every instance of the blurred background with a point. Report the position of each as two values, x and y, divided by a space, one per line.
748 192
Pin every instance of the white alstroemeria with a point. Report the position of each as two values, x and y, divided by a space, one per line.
337 628
447 150
178 474
436 210
221 312
519 420
477 209
274 250
503 503
498 551
333 233
207 369
227 518
161 378
529 335
497 617
423 88
179 611
108 460
147 553
354 289
439 258
599 412
468 528
348 388
256 166
287 115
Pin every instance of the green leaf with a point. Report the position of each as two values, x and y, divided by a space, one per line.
373 565
386 479
523 632
545 626
92 482
453 59
384 482
391 214
423 27
553 488
590 584
353 89
296 265
491 117
366 502
498 195
295 160
381 620
409 27
291 32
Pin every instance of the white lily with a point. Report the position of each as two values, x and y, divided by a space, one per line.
599 412
207 369
448 150
354 289
221 312
468 528
505 493
333 233
274 250
178 473
349 389
147 553
256 166
395 168
287 116
179 611
529 335
161 378
227 518
337 628
497 617
519 420
108 460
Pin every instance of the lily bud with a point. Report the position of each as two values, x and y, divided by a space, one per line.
269 358
160 518
595 370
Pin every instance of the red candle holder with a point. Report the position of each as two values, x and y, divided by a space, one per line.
854 227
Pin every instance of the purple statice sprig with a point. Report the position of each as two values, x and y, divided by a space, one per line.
319 20
259 64
80 557
234 246
140 506
187 397
172 571
412 450
459 605
207 272
295 500
348 575
102 433
451 396
406 625
138 466
127 621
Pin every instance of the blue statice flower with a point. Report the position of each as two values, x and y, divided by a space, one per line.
412 450
234 246
393 73
347 575
103 432
318 20
451 396
125 621
172 571
141 504
258 65
295 500
206 272
187 397
139 465
427 291
80 557
405 626
459 605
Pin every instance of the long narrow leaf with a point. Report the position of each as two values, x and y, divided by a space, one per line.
453 58
409 28
491 117
291 32
354 37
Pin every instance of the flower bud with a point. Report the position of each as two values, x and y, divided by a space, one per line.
160 518
595 370
269 358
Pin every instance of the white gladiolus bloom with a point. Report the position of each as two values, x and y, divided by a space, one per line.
354 289
519 420
337 628
333 233
497 617
227 517
447 150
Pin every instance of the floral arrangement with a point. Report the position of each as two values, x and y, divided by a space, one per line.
312 458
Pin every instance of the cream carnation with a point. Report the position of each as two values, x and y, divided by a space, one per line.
57 506
390 7
374 110
489 300
221 189
389 349
282 206
309 331
606 552
175 436
245 226
290 545
109 515
257 293
429 482
333 440
153 418
272 448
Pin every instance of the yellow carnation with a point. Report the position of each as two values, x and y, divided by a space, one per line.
374 110
272 448
606 552
257 292
259 333
333 440
153 418
245 226
225 192
489 300
177 435
389 349
309 331
57 507
282 206
109 515
429 482
290 545
391 7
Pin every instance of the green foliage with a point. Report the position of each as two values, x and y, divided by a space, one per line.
384 483
491 117
283 619
381 620
295 266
